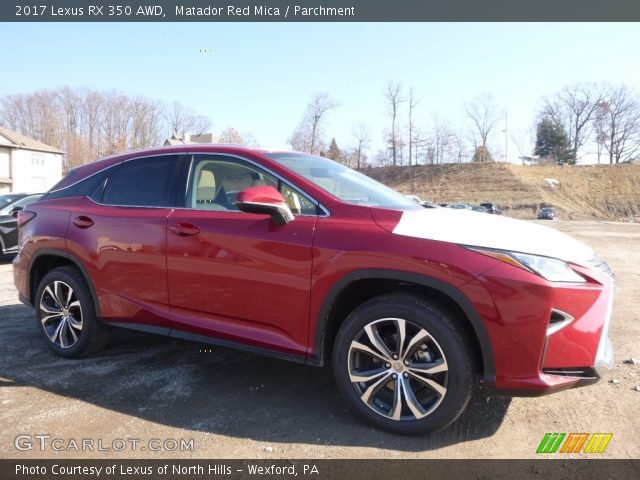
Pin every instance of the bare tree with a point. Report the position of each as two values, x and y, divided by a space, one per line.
574 107
362 137
600 133
92 114
307 137
382 158
459 148
300 139
485 116
232 136
393 95
184 120
618 118
442 139
146 116
524 142
87 123
413 103
420 143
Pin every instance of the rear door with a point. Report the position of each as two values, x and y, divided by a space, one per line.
121 228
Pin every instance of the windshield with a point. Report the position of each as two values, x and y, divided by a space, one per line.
342 182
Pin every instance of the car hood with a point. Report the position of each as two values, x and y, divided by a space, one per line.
491 231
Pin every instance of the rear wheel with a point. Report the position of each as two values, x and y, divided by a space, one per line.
404 365
66 316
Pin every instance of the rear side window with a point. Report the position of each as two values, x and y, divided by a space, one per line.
83 188
145 182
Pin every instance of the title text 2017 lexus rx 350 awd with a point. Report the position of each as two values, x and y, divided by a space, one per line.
297 256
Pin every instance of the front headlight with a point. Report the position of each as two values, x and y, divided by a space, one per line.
551 269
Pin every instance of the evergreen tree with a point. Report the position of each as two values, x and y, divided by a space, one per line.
552 142
482 154
334 152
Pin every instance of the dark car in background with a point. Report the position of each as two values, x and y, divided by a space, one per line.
492 208
10 205
547 213
479 208
8 198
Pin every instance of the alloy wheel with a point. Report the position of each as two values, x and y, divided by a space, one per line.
398 369
61 314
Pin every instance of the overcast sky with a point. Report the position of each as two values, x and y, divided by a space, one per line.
259 77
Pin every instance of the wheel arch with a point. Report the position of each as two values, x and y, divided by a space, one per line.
49 258
357 287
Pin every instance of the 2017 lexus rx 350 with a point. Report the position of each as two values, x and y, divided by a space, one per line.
297 256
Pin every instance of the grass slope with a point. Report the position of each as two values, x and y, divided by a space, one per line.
601 191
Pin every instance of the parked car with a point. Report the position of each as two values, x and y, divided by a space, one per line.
10 205
316 263
547 213
460 206
7 198
427 204
478 208
492 208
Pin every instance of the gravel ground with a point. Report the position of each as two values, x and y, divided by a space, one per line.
237 405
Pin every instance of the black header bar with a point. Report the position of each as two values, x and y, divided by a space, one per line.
320 11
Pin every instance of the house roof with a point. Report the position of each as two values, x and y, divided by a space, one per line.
191 139
17 140
177 141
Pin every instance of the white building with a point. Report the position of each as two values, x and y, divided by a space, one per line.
27 165
190 139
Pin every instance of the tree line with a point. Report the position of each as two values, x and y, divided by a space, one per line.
88 124
579 119
588 113
582 118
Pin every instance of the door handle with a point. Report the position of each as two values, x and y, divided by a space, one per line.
184 229
83 222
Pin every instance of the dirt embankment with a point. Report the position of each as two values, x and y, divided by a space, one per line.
600 191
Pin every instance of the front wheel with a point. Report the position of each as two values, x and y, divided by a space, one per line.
404 364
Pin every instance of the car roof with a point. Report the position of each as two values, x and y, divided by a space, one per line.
88 169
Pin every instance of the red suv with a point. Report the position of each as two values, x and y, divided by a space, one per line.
294 255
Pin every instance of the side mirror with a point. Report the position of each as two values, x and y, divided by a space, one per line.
14 211
267 200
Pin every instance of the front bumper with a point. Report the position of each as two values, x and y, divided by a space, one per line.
603 359
532 358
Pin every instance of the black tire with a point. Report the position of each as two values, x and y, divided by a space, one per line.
450 348
70 342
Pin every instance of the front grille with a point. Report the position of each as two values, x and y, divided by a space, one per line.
580 372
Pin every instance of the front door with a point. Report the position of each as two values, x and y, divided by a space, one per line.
238 275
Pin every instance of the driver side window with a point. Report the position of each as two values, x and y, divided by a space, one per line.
216 182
